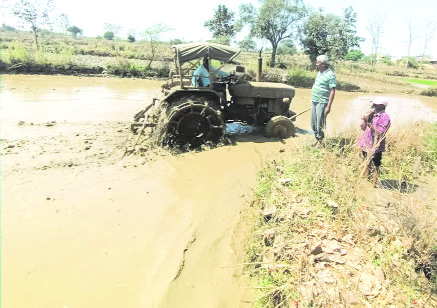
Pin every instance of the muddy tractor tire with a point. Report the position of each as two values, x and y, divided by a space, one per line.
193 124
280 126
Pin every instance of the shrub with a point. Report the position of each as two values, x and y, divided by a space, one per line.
299 78
17 53
109 35
412 62
354 55
387 61
429 92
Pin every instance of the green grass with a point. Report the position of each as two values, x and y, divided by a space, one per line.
431 83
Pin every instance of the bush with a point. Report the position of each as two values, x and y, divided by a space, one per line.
299 78
387 61
109 35
126 68
16 53
412 62
354 55
347 86
429 92
131 38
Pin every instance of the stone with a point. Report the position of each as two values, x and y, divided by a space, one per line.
284 181
330 246
369 285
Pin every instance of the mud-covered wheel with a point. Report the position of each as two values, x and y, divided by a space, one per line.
193 124
280 126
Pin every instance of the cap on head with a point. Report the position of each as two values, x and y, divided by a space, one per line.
380 101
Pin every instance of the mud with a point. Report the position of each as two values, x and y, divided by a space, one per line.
82 227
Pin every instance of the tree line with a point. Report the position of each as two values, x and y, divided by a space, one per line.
284 24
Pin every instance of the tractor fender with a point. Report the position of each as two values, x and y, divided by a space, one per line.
196 94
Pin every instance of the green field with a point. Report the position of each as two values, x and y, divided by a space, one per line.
432 83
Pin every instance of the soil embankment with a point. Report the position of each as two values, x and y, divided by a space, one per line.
83 227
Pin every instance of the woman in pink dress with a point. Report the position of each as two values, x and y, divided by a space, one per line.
375 124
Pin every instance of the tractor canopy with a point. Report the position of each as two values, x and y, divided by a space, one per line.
192 51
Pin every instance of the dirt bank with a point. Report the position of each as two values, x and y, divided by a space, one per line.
82 227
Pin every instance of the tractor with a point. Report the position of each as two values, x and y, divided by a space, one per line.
195 115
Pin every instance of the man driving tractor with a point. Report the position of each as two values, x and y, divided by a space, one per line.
201 74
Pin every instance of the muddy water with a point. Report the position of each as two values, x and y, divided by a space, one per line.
119 233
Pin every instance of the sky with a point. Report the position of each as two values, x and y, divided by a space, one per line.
187 18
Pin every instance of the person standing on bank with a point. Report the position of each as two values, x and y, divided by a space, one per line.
322 96
375 124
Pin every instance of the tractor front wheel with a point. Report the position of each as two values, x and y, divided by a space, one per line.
280 126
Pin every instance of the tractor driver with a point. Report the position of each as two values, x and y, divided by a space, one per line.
201 74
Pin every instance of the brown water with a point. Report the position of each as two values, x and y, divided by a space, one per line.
112 232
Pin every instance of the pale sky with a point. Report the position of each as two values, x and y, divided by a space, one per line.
187 18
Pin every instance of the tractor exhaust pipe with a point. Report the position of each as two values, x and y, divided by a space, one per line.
260 66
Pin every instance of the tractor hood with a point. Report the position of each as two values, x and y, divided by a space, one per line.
261 89
192 51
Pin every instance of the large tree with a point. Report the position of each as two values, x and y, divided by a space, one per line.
330 35
222 25
274 20
34 14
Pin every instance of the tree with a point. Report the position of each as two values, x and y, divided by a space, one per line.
64 23
74 31
109 35
247 44
114 28
131 38
222 24
286 47
411 38
131 35
330 34
175 42
376 29
152 34
35 14
222 40
274 21
429 30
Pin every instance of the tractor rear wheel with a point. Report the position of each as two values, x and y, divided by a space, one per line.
280 126
193 124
